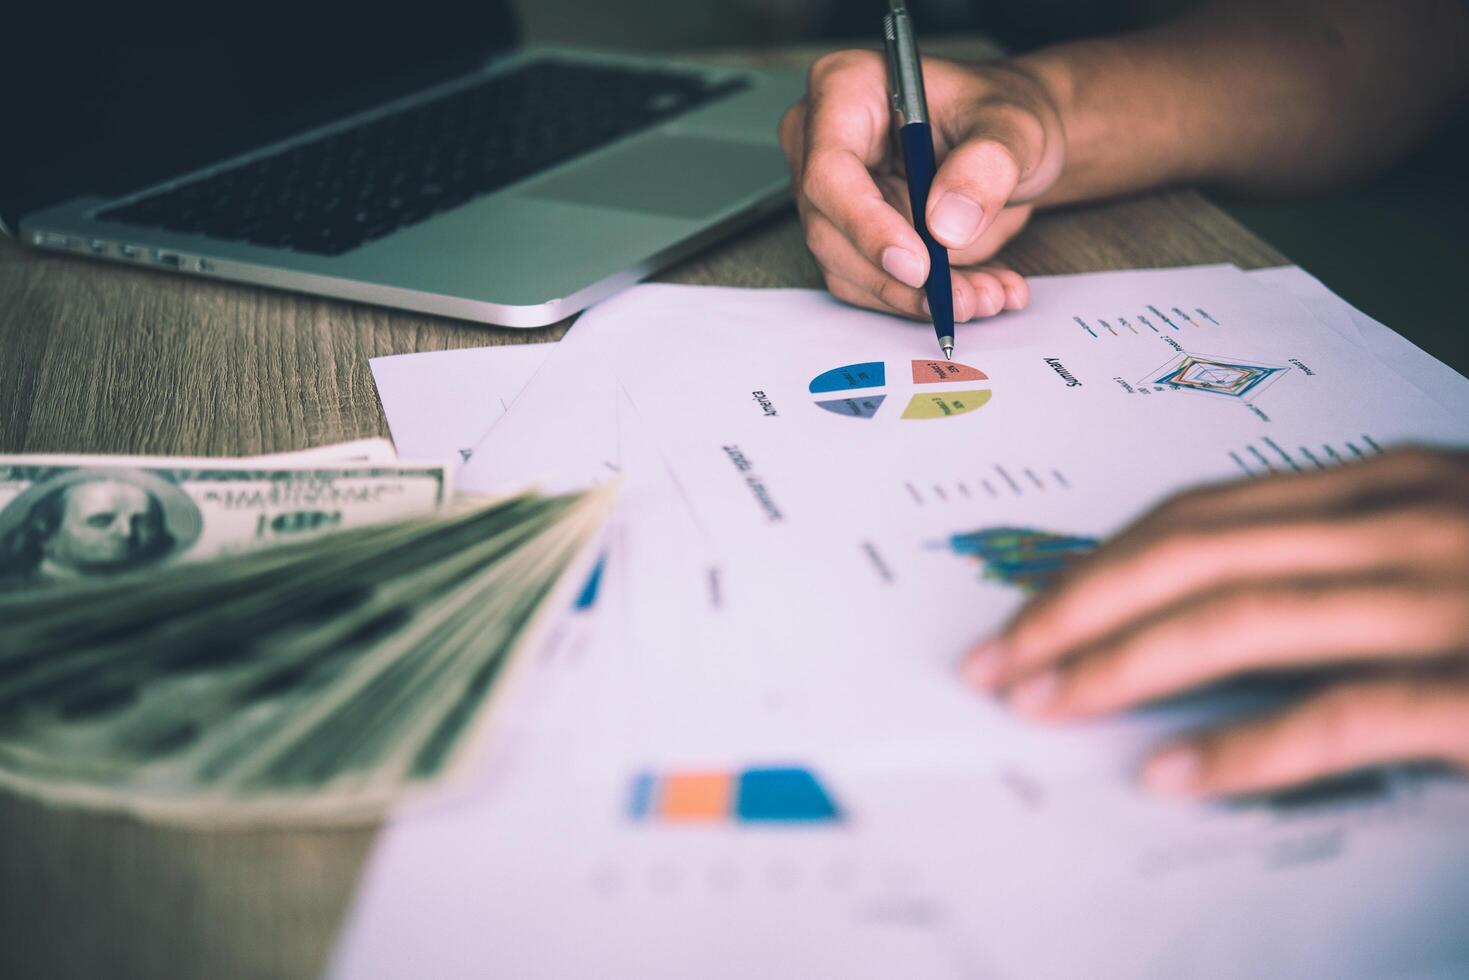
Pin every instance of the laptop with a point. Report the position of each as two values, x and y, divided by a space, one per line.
413 156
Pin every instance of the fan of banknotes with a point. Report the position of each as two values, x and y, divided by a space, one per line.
275 639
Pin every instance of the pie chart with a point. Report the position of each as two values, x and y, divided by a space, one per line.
923 389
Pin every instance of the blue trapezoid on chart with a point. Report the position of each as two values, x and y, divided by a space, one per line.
861 408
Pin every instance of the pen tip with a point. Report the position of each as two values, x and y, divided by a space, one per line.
948 353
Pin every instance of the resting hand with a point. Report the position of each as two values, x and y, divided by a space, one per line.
998 140
1366 566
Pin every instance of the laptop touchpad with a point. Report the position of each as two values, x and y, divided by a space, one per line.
677 176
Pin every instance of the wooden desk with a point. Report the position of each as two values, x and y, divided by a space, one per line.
98 358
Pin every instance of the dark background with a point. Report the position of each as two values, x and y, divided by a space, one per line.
1394 247
1391 246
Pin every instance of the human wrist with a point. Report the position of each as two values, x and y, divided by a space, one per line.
1056 70
1117 118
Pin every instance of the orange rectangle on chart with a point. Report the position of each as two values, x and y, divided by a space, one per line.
696 796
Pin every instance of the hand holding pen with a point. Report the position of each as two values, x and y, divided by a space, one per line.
996 139
915 136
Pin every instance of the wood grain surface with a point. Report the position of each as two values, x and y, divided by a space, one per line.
106 359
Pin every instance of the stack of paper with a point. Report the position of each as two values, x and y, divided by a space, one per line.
751 754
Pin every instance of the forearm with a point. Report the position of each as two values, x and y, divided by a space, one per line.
1255 96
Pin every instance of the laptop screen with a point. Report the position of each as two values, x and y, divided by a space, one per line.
105 97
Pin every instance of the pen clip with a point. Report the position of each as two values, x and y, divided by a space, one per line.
905 70
890 43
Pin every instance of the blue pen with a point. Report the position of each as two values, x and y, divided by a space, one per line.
905 79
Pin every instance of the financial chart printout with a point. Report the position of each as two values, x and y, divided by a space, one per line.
847 534
819 519
840 468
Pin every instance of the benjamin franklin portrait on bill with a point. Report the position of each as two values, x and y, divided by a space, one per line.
85 523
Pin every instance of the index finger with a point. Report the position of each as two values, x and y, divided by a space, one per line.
1125 586
847 130
1312 524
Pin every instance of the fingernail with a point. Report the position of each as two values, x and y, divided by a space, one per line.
1037 694
982 669
1173 772
904 266
955 220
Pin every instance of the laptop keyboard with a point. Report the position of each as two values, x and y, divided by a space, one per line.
333 194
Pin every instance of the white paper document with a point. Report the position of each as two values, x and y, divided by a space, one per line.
1432 376
440 404
766 763
840 473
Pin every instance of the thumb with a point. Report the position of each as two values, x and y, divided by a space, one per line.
973 184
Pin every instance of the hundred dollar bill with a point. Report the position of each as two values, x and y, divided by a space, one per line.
305 683
374 449
68 518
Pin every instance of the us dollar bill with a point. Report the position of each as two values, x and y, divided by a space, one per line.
77 518
311 682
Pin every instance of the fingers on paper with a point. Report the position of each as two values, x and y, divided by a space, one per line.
1298 541
1351 726
1383 480
978 293
994 289
1150 581
1258 628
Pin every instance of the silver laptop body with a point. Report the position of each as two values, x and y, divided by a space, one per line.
529 254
